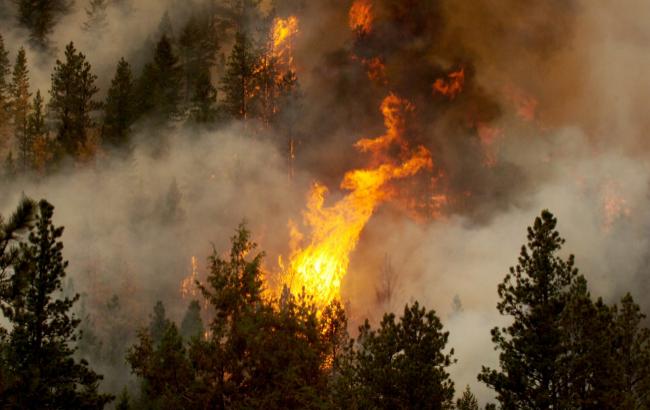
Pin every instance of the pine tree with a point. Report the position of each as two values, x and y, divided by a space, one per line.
159 323
192 325
20 96
40 17
73 88
534 293
39 356
41 149
13 231
238 82
204 99
467 401
402 365
119 109
167 91
5 88
96 16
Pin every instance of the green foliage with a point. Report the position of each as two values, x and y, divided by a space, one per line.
159 323
238 82
119 109
167 91
402 365
5 87
38 355
20 103
467 401
535 294
72 91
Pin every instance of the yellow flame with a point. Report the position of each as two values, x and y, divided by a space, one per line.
188 284
284 32
360 16
321 264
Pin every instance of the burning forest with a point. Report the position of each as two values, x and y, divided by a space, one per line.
367 204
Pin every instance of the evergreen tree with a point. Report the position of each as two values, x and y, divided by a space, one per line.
20 96
204 99
402 365
73 88
5 87
38 355
119 110
167 91
158 323
40 17
41 149
534 293
13 231
164 369
238 82
467 401
96 16
192 325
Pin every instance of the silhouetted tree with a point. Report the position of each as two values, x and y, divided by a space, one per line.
73 88
20 103
159 323
192 324
38 354
467 401
238 82
5 87
119 109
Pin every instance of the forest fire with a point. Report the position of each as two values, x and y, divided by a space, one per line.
360 17
283 33
452 85
319 267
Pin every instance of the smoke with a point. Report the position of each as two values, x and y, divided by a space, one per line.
552 115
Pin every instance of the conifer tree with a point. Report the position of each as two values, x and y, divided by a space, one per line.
534 294
167 92
39 355
467 401
238 82
5 87
204 99
119 109
159 323
192 324
40 17
20 97
73 88
402 365
41 149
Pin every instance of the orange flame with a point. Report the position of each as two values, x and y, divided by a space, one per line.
320 266
525 105
452 85
188 285
615 206
360 17
284 31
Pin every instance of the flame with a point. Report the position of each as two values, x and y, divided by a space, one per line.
283 33
320 266
188 285
615 206
525 105
489 135
452 85
360 17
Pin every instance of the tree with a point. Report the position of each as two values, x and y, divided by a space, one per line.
534 293
192 325
167 91
467 401
204 99
5 87
41 148
402 365
96 16
73 88
238 82
40 17
20 96
119 109
38 354
159 323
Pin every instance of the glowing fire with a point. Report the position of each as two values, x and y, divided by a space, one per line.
614 206
319 267
525 105
188 285
360 17
451 86
283 33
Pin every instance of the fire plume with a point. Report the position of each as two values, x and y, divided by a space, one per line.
451 86
283 34
360 17
321 264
